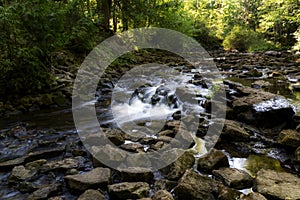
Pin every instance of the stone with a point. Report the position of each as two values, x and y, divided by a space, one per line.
162 195
214 159
63 165
234 132
129 190
35 164
164 184
8 165
254 73
195 186
116 136
132 147
260 84
44 192
297 154
253 196
137 174
277 185
91 195
226 193
234 178
96 178
262 109
289 138
176 169
19 173
49 153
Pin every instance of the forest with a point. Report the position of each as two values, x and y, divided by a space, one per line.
33 32
212 114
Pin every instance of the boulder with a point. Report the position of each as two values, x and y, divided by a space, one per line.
164 184
63 165
96 178
8 165
116 136
214 159
195 186
297 154
91 195
262 109
162 195
277 185
234 132
175 170
44 192
129 190
253 196
289 138
234 178
20 173
136 174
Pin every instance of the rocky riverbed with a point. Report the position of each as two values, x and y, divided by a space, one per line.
257 155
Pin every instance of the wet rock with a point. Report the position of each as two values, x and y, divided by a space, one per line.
253 196
20 173
195 186
91 195
133 147
254 73
116 136
234 132
164 184
114 156
260 84
226 193
128 190
36 165
297 154
289 138
263 109
94 179
137 174
234 178
278 185
7 165
214 159
63 165
49 153
44 192
175 170
162 195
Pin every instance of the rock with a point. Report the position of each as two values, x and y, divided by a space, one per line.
195 186
175 170
297 154
278 185
254 73
49 153
162 195
214 159
91 195
260 84
113 156
234 132
127 190
44 192
226 193
96 178
19 173
36 165
7 165
63 165
137 174
263 109
164 184
289 138
46 100
132 147
253 196
116 136
234 178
